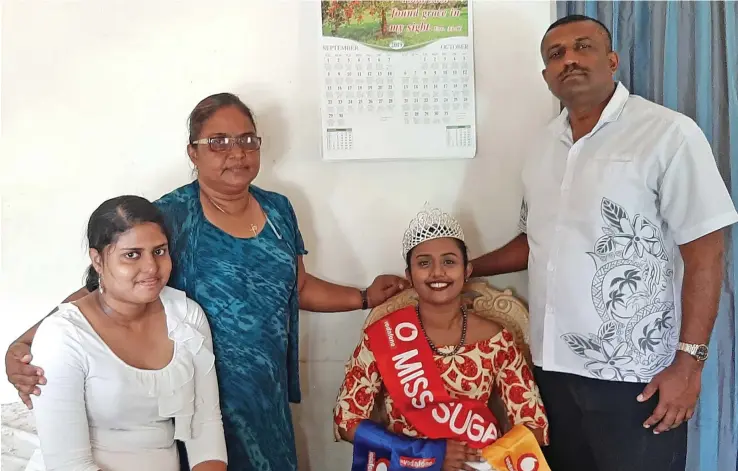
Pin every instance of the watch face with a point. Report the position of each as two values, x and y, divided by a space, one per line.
701 353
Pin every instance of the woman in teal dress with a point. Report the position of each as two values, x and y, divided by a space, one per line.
237 250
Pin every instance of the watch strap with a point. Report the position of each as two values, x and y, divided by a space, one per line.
687 347
694 350
364 300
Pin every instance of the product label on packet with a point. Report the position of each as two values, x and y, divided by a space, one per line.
517 450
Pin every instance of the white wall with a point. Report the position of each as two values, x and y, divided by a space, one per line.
94 101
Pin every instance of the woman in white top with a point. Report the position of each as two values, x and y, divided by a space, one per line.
130 366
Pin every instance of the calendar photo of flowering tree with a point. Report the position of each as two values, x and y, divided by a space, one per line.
399 24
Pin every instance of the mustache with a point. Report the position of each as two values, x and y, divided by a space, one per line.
572 68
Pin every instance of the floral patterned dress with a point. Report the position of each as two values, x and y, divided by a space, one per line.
472 373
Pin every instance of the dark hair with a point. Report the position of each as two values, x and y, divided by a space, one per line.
111 219
460 243
207 108
577 18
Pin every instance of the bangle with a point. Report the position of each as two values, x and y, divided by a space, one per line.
364 300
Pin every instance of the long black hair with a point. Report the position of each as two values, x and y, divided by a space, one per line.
111 219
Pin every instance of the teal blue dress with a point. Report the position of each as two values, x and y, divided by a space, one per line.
248 289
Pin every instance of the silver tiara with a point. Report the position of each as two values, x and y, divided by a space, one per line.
428 224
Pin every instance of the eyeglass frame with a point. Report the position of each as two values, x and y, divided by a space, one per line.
230 142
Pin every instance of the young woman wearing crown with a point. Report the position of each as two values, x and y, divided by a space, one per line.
434 366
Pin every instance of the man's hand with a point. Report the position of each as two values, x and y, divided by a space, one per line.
679 388
24 376
457 454
383 288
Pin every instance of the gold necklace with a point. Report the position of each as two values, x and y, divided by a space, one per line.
253 227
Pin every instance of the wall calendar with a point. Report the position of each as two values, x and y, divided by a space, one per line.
397 80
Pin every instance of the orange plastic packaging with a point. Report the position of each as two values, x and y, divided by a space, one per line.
517 450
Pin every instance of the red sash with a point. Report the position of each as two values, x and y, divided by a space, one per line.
409 373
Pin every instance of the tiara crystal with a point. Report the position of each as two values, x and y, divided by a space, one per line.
428 224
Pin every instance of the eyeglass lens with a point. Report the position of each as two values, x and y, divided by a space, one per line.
247 142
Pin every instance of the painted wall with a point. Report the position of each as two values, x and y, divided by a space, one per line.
94 102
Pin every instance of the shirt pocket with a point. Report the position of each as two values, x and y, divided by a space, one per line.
612 167
614 157
613 175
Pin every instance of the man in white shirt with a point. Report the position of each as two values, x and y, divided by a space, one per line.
621 231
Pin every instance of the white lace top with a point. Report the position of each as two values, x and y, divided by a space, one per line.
98 413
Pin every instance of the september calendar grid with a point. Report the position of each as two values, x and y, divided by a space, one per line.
398 80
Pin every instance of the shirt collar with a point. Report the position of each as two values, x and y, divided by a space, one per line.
612 111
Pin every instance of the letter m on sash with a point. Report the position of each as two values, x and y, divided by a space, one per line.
403 368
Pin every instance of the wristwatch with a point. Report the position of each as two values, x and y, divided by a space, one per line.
698 351
364 300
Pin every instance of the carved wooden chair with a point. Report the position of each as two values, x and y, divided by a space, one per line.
501 306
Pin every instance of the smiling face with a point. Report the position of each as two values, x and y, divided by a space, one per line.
438 269
579 61
228 171
136 266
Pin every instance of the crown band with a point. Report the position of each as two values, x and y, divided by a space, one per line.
429 224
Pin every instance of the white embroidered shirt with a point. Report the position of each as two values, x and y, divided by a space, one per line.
604 218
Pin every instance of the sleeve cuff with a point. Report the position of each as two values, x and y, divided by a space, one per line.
706 227
209 446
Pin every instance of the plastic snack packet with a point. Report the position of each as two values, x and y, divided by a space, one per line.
517 450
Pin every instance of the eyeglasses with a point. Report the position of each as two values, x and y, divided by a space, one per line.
247 142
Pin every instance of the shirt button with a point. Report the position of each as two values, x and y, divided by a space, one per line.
549 310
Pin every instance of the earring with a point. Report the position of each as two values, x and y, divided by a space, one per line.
100 285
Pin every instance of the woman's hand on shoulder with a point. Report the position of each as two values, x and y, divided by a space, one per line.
383 288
